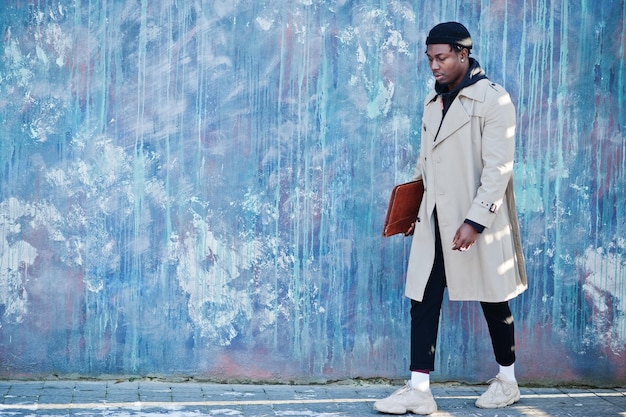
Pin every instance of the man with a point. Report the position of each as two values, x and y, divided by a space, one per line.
466 237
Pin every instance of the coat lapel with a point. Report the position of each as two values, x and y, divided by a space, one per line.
432 117
456 118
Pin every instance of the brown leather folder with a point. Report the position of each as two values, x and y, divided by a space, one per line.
404 204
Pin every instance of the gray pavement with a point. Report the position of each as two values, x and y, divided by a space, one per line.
149 398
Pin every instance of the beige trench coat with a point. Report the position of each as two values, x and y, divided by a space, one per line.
468 174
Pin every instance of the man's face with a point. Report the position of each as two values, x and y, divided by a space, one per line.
448 66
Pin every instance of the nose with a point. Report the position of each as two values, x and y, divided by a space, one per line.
434 65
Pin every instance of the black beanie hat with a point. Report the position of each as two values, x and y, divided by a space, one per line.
452 33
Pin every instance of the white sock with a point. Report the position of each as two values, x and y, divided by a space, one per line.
420 381
508 372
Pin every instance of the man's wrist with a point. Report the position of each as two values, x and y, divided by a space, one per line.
478 227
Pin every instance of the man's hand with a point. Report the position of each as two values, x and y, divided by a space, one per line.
464 237
411 230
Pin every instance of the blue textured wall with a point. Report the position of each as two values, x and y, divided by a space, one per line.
198 188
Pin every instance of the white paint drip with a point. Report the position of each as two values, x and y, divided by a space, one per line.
17 255
604 286
205 269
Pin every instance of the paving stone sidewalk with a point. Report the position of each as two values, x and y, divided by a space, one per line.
146 398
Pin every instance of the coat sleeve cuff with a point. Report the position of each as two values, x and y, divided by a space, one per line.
479 227
483 213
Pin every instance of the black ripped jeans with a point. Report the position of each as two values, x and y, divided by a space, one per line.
425 320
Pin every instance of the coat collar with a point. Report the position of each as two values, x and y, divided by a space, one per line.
473 92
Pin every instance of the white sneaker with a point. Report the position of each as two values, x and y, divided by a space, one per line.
499 394
405 400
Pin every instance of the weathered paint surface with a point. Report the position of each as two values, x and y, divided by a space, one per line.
198 188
